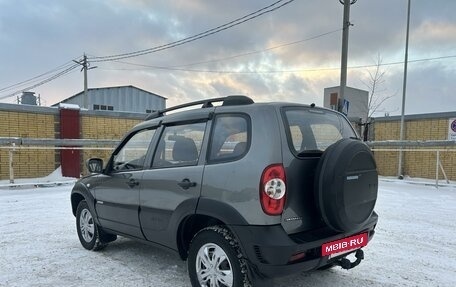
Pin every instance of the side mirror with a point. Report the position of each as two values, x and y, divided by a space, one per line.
95 165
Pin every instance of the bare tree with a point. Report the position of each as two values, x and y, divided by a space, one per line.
375 86
377 93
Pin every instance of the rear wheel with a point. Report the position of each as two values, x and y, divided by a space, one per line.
215 259
89 233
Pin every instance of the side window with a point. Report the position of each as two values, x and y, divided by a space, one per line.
179 145
131 156
230 138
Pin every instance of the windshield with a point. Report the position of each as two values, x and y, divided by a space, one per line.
311 130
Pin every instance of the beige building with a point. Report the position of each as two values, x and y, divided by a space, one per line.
26 121
43 122
418 161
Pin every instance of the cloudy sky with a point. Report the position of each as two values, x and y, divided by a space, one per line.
290 54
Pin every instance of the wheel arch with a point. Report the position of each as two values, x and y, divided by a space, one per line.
79 193
190 226
76 198
208 213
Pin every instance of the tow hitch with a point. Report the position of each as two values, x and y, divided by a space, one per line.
346 264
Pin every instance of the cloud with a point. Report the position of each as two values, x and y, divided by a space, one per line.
432 35
431 89
36 36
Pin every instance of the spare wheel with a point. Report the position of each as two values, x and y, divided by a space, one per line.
346 184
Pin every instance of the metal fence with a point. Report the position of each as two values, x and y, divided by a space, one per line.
14 145
435 159
427 159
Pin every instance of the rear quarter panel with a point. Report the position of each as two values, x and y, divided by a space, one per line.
237 183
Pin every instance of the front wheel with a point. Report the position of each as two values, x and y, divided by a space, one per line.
215 259
88 231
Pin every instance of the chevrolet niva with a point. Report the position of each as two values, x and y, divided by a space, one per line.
240 190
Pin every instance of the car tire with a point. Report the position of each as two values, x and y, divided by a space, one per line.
346 185
215 256
88 230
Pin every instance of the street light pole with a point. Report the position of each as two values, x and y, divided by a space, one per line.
343 69
404 90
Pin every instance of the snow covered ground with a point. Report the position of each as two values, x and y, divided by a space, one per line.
415 245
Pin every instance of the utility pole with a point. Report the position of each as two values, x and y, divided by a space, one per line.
404 90
343 70
85 66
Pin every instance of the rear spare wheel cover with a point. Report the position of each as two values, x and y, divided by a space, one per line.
346 185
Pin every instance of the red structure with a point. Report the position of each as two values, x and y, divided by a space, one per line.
70 127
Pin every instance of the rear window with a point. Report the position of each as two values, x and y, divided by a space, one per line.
311 130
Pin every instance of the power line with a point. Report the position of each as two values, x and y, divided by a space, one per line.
277 71
36 78
55 76
252 52
235 56
270 8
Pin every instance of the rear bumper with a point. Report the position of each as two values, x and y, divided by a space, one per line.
270 249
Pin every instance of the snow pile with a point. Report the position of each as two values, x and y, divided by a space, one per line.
54 178
69 106
414 245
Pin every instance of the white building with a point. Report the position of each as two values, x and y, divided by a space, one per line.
120 99
357 101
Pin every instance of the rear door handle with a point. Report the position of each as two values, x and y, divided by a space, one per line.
132 183
186 183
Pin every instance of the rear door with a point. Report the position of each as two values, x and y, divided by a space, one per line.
172 186
117 195
308 132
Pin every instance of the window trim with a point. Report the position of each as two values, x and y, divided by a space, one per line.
210 161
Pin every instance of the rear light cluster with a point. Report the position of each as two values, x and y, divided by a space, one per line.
273 189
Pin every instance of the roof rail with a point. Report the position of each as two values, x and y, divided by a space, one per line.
226 101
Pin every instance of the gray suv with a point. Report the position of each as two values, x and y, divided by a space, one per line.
243 191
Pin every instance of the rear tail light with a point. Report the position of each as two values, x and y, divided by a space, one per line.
273 189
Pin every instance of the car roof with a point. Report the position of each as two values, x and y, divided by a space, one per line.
206 108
